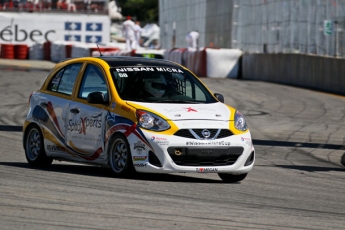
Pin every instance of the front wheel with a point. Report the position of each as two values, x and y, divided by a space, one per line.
34 148
231 178
120 158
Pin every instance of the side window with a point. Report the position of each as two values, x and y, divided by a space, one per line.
63 81
93 81
194 91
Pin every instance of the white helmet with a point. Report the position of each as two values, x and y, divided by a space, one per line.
155 85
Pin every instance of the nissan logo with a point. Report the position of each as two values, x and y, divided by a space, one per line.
206 133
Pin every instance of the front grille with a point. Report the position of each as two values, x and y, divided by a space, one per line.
184 133
214 133
205 156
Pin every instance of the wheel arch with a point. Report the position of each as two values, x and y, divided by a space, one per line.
26 130
111 139
129 170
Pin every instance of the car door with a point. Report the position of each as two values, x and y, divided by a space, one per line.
53 102
85 122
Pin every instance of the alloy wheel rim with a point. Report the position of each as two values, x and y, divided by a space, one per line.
119 156
33 144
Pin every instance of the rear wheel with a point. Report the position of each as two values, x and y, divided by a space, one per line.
120 158
231 178
34 148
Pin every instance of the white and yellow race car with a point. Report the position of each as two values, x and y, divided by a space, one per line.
135 115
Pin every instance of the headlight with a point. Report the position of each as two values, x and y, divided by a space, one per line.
240 122
151 121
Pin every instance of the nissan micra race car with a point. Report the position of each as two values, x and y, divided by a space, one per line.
135 115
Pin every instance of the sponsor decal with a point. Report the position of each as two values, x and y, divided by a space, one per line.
125 108
171 70
204 123
205 170
139 158
113 106
208 143
151 69
123 75
160 140
190 109
177 115
248 140
140 165
139 146
111 116
55 148
84 123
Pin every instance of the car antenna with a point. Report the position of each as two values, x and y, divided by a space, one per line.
99 50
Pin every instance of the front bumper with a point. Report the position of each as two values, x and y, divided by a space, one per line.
169 154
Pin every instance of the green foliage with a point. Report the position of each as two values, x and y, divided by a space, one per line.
146 11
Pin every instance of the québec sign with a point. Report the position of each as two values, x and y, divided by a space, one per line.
31 28
10 34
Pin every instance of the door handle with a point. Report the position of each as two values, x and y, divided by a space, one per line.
75 111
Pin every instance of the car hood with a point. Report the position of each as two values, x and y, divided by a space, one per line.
215 111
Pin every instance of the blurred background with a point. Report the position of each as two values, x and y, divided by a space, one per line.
256 26
296 42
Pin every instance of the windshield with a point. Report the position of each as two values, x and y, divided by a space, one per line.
159 84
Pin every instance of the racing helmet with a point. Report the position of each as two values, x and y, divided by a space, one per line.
155 85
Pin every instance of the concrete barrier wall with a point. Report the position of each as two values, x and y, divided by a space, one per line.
208 62
223 63
322 73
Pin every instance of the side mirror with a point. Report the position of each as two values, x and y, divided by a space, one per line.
220 97
96 98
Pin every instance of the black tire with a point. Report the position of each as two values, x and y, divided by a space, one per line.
120 157
231 178
34 148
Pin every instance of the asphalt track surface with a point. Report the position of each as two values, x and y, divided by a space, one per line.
297 182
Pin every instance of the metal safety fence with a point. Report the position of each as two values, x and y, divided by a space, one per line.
289 26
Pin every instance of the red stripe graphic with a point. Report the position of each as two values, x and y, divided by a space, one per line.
128 130
52 114
94 156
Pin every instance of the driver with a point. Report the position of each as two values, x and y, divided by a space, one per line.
155 85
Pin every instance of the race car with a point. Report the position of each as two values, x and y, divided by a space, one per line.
135 115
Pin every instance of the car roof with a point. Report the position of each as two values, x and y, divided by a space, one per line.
134 61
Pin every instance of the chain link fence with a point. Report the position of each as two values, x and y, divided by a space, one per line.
289 26
211 18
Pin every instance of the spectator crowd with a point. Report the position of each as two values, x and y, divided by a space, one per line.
96 6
